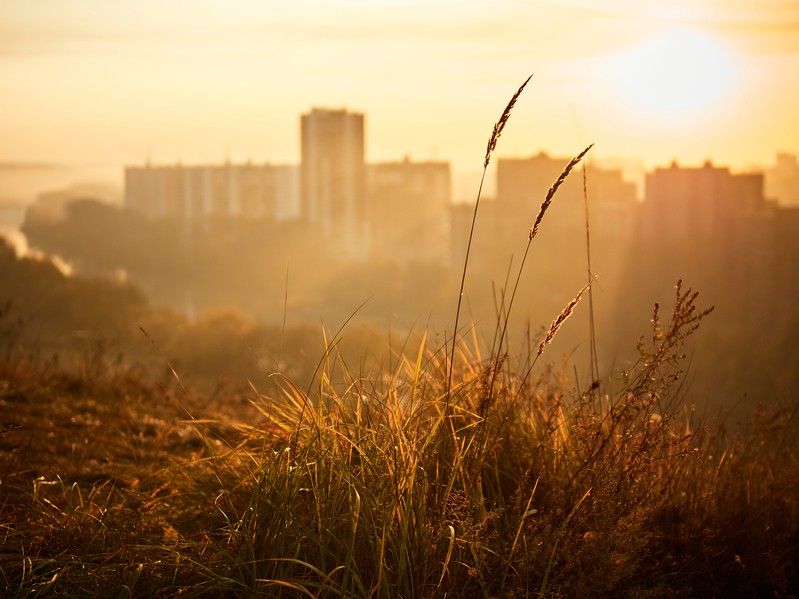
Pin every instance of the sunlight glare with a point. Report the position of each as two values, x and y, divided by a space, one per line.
678 74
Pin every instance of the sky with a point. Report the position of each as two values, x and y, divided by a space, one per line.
104 84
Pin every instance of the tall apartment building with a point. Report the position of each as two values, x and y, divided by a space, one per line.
333 177
502 231
522 184
688 203
782 179
409 204
246 190
714 228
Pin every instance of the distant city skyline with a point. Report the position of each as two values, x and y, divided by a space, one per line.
23 182
96 83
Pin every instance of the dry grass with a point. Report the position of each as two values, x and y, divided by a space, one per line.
499 126
369 487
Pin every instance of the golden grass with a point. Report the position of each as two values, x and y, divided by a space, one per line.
499 126
369 488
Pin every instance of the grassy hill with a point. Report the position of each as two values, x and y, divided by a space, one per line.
394 485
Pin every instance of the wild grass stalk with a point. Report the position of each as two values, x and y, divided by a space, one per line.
533 232
592 342
502 324
496 132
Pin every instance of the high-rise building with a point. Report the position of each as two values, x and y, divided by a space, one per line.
522 184
782 180
504 224
409 204
692 203
712 227
332 179
246 190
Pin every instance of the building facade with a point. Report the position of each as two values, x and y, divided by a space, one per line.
782 179
409 204
523 183
188 192
689 203
333 177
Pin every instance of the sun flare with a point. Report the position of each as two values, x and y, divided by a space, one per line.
678 74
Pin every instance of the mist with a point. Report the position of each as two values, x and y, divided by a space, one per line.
256 250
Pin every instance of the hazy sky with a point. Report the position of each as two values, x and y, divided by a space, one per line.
93 81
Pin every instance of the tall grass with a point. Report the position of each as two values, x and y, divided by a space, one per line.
450 474
364 490
496 132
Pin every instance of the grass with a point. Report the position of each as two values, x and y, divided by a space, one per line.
368 491
452 474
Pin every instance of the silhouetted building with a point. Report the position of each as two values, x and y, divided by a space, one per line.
713 228
523 183
409 204
460 218
786 257
691 203
333 178
245 190
503 224
782 180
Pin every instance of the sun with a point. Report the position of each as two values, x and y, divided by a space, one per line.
676 75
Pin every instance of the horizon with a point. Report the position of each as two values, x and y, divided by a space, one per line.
64 176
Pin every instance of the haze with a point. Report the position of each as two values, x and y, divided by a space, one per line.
276 153
104 84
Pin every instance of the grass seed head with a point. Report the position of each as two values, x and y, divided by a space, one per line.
500 124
